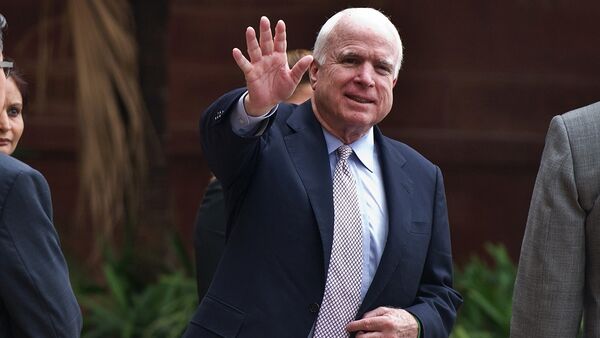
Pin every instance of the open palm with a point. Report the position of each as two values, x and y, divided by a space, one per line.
268 77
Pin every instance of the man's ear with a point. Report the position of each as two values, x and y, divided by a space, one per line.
313 71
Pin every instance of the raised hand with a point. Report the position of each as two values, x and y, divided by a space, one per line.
269 79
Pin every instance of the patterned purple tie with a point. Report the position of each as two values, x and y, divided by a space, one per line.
344 275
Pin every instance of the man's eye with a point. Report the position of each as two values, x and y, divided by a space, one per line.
384 70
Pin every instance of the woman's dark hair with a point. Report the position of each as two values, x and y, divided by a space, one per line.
20 82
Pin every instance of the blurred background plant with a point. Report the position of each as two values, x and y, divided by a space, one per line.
130 279
486 284
128 305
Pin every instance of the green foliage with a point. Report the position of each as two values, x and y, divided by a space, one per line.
487 290
129 307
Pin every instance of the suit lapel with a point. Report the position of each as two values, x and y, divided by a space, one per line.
308 151
398 190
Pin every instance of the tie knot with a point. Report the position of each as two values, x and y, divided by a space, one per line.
344 151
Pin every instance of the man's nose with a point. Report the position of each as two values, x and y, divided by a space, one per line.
365 75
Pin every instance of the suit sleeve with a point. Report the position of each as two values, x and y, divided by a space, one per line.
35 287
548 295
230 156
437 302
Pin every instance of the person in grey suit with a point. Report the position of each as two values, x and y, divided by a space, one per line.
558 279
36 299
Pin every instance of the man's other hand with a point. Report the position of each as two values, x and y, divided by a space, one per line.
385 322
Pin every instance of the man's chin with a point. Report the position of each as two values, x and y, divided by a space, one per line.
358 117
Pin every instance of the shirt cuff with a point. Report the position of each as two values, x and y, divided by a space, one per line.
245 125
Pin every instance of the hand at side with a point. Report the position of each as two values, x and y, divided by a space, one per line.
385 322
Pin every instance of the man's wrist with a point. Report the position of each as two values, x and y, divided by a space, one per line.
420 329
245 125
255 111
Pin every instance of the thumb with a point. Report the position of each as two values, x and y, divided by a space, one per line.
300 67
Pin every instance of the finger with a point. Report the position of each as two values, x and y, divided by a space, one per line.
252 45
266 37
280 37
366 324
300 67
380 311
241 61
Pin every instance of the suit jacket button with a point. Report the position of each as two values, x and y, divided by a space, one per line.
313 308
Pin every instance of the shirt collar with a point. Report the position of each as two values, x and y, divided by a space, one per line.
363 148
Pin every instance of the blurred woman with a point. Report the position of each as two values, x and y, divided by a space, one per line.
11 115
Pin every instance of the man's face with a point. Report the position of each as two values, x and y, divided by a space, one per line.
353 88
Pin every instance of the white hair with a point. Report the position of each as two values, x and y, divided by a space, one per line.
322 43
2 25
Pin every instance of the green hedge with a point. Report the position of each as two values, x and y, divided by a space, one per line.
487 290
134 302
126 306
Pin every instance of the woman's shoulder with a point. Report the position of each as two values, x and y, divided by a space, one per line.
10 165
11 168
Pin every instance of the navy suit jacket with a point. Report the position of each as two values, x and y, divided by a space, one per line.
36 299
278 191
209 235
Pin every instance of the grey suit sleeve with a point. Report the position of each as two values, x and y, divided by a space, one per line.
35 289
548 295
